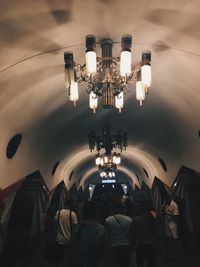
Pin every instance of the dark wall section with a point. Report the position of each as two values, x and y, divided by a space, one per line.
57 199
160 193
30 205
186 189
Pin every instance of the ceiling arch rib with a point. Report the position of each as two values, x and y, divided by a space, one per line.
33 100
82 162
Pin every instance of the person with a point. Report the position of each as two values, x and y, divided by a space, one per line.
2 230
144 230
171 216
119 229
66 224
90 245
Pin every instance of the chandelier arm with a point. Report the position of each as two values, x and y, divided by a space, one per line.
108 58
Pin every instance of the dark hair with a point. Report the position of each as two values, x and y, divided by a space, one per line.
90 210
118 208
70 204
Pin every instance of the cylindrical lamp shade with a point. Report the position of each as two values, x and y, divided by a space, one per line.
140 92
68 68
74 92
90 42
146 75
69 77
126 42
119 101
91 62
93 101
125 63
68 59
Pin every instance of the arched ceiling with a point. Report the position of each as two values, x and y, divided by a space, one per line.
34 102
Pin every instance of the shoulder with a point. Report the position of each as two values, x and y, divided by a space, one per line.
126 218
73 214
109 219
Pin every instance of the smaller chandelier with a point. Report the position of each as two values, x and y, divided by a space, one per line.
107 76
108 147
107 164
107 174
102 160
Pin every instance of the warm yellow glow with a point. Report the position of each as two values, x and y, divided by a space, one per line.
118 160
119 101
74 92
101 162
125 63
106 159
114 159
98 161
146 75
93 101
140 92
91 62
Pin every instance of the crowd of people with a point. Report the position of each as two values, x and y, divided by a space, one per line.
95 234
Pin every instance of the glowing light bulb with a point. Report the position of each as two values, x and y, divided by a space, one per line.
98 161
146 76
93 101
140 92
119 101
125 63
91 62
74 92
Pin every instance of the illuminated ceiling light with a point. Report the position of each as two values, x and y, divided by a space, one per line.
74 92
91 57
119 101
107 76
146 70
140 92
106 159
93 101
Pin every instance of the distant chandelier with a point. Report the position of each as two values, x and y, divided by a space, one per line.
107 164
108 148
107 76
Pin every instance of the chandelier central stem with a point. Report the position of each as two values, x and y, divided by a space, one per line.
106 46
107 86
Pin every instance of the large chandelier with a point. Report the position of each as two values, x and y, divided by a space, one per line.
107 76
108 148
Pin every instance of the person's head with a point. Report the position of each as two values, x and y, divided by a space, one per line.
70 204
151 212
118 209
90 210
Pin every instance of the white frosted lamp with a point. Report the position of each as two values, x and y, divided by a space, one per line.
93 101
74 92
119 101
140 92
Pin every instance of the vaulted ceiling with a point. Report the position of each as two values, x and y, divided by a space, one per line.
34 101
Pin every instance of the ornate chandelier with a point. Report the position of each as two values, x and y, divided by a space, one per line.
108 150
107 76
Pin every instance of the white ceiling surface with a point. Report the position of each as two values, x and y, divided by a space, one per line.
33 100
